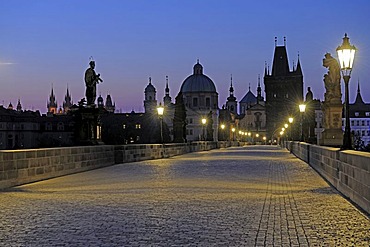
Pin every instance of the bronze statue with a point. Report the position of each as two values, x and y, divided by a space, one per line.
332 78
91 79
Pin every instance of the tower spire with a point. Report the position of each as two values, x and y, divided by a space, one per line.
358 96
167 99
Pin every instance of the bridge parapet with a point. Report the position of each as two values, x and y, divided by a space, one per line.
25 166
347 170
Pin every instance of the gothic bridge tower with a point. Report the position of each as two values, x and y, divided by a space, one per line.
283 88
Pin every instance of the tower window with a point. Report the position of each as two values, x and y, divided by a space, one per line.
357 114
138 126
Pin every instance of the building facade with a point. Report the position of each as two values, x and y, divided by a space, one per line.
201 102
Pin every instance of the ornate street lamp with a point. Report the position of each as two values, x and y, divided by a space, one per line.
204 121
160 110
222 132
233 130
290 119
346 54
302 109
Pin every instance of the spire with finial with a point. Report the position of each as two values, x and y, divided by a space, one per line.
284 41
167 99
19 106
249 87
358 96
259 90
299 69
231 103
266 68
52 103
275 41
231 90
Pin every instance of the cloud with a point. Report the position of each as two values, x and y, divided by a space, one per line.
6 63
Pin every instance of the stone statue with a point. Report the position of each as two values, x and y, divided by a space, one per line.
332 78
91 79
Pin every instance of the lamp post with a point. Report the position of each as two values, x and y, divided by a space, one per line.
302 109
346 54
204 121
222 132
160 111
233 130
290 119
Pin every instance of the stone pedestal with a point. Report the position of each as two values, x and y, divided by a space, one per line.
87 125
333 133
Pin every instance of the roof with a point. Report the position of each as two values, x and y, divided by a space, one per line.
249 98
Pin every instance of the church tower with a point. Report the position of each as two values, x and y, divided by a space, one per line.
52 104
167 98
100 102
150 102
231 103
19 106
283 88
259 91
67 102
109 106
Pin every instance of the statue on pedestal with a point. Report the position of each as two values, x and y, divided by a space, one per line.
332 79
91 79
332 105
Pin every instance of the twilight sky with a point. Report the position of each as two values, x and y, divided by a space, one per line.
45 43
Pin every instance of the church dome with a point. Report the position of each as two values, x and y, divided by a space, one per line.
198 82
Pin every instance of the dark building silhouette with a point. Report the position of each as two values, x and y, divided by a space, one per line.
283 88
231 103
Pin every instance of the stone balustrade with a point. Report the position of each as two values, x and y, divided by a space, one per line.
347 170
25 166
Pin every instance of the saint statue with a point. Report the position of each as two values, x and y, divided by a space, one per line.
91 79
332 78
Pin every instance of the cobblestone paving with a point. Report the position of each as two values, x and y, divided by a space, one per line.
245 196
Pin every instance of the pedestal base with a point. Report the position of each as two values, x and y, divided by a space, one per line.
332 137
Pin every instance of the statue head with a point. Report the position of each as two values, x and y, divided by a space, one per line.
92 64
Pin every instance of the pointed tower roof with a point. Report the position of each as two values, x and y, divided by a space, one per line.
358 96
280 66
299 69
19 106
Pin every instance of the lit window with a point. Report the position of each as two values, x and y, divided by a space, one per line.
138 126
123 126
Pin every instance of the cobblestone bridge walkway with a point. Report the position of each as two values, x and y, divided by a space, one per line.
245 196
